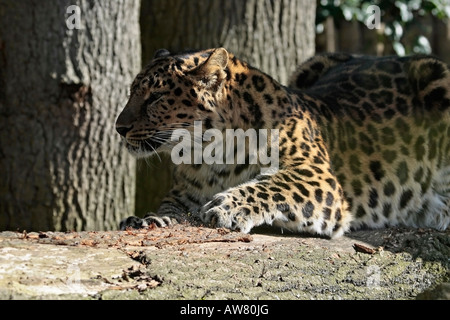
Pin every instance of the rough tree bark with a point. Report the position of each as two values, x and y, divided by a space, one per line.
61 163
273 35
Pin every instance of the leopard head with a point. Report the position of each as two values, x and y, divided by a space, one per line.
171 93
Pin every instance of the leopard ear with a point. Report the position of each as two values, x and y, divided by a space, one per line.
161 53
211 73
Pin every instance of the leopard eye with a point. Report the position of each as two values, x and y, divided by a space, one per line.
155 95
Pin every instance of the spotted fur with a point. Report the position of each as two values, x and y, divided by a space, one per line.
362 141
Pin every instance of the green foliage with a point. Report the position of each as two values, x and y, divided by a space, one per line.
397 18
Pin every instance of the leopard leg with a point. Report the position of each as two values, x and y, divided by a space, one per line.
290 199
303 195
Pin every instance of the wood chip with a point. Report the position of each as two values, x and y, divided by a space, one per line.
360 248
42 235
32 235
88 242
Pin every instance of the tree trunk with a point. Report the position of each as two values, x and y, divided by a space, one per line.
273 35
61 162
440 39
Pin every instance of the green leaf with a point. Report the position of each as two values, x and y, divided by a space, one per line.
397 30
422 45
405 12
347 12
398 48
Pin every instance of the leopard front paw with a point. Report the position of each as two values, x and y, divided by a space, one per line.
159 221
149 219
222 212
132 222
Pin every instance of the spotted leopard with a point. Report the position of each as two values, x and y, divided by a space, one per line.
362 141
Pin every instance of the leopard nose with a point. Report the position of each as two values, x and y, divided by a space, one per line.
123 130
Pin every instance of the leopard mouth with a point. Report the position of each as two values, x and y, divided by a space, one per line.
145 144
144 147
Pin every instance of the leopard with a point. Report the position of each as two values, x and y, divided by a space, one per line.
362 141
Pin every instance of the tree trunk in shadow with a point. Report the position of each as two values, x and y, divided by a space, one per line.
64 74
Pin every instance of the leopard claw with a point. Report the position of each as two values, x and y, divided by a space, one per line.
159 221
132 222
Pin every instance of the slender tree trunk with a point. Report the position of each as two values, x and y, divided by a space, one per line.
330 35
273 35
440 39
61 163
